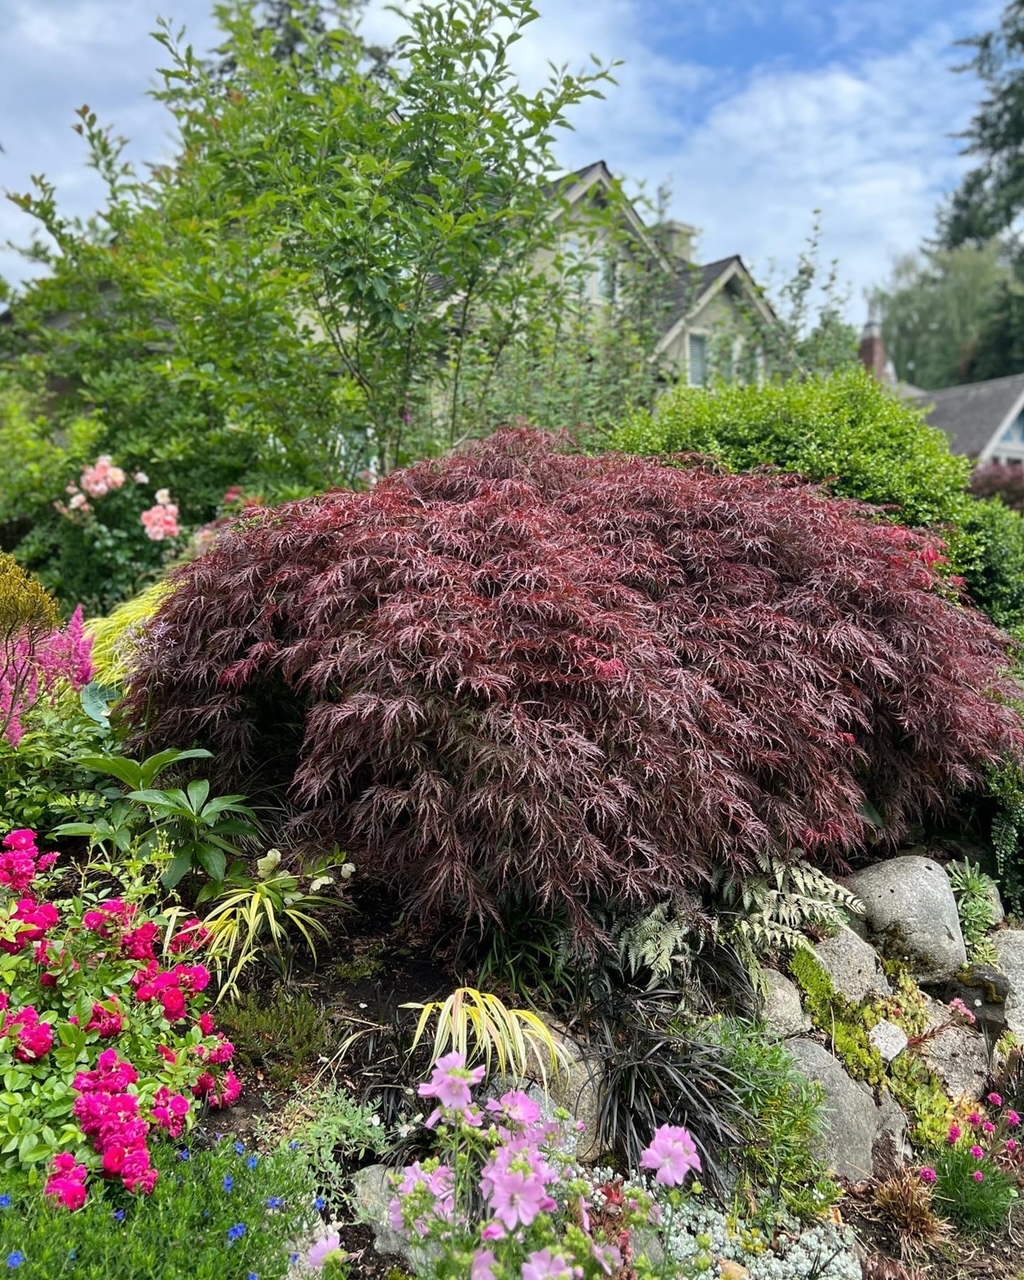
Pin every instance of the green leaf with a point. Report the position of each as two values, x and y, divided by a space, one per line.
177 869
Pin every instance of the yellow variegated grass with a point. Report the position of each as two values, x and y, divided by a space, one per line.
479 1025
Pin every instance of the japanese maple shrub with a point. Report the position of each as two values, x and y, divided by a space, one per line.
586 679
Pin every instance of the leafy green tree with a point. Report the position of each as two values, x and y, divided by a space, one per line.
339 270
936 309
806 331
992 194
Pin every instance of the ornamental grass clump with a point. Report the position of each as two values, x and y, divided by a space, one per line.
591 681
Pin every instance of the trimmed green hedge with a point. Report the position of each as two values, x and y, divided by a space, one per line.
851 433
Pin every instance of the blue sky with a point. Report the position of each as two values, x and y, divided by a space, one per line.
757 111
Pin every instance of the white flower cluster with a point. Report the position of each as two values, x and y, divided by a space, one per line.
820 1252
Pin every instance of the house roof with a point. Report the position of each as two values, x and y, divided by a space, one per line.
693 282
972 415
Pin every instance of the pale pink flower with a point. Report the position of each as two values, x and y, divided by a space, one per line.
672 1153
140 477
163 497
451 1082
79 503
544 1265
322 1250
518 1107
161 521
517 1198
483 1266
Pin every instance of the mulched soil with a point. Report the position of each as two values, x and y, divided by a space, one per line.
964 1257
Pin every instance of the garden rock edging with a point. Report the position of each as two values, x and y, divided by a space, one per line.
910 914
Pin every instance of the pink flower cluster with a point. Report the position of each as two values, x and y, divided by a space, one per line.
109 1114
67 1181
161 520
111 1107
41 667
1003 1148
101 478
21 861
33 1038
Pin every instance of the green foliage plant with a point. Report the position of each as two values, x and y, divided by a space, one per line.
186 1230
479 1025
768 912
115 637
278 1039
973 890
777 1160
43 781
202 831
334 1134
850 432
255 917
972 1203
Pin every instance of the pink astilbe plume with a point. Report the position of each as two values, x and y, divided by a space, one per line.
39 667
587 680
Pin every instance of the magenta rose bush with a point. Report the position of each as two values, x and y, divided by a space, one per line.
505 1199
105 1042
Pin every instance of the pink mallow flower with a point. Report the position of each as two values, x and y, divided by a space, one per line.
672 1154
545 1265
322 1250
451 1082
517 1197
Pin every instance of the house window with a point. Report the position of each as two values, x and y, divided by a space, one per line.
698 359
1010 445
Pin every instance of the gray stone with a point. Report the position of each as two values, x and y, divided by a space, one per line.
577 1090
984 989
372 1194
958 1055
891 1148
850 1115
889 1039
911 915
781 1008
853 966
1009 945
998 910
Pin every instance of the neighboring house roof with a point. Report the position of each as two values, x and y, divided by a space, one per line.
697 283
976 414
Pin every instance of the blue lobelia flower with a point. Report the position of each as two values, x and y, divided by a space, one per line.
15 1259
253 1161
237 1231
275 1202
229 1182
5 1201
319 1203
239 1148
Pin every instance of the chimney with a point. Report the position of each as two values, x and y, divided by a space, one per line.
677 239
872 349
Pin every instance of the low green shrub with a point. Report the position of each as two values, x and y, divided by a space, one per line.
777 1161
853 434
278 1039
217 1213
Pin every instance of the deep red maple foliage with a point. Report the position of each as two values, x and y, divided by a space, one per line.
588 680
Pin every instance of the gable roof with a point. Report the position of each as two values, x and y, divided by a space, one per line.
975 414
696 284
